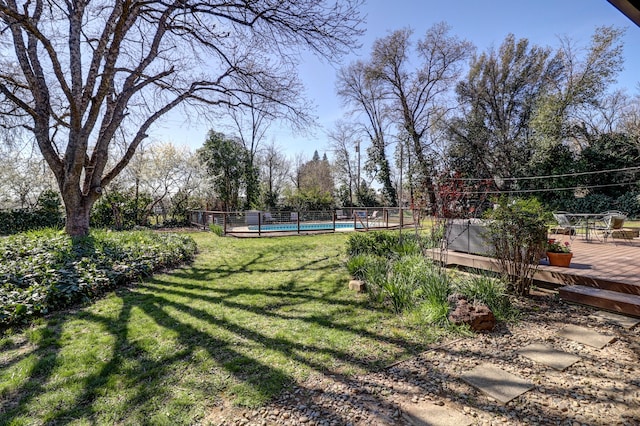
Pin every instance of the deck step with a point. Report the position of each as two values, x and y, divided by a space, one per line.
628 304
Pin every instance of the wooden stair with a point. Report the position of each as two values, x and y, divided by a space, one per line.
611 300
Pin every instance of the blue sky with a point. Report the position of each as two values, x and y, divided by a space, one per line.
485 23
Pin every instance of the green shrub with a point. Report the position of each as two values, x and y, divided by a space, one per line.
629 203
46 214
120 210
398 291
216 229
46 270
383 243
518 234
403 279
430 312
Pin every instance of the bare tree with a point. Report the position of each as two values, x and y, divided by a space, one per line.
275 169
160 171
77 72
343 142
418 94
264 104
368 96
296 170
24 175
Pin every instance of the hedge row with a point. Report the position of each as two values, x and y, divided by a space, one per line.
43 271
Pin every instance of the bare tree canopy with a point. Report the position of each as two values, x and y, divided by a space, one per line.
79 73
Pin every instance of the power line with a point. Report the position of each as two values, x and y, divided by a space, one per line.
520 191
624 169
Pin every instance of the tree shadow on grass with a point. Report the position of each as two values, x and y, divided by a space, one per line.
228 340
40 362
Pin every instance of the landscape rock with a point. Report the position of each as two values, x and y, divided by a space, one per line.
357 285
477 316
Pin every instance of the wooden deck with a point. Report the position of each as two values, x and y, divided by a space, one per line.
613 266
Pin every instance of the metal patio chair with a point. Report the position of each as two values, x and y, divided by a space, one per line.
566 225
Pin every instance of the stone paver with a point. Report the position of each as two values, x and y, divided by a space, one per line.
621 320
429 414
497 383
586 336
549 356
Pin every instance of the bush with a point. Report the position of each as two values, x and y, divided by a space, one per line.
120 210
518 234
44 271
46 214
383 243
360 263
592 203
375 276
629 203
216 229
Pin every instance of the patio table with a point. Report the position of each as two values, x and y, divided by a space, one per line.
585 220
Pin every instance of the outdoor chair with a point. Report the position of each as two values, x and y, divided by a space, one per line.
340 215
565 224
612 224
374 215
267 218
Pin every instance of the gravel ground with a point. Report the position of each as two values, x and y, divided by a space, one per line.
603 388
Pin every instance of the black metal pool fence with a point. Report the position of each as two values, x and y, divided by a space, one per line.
251 222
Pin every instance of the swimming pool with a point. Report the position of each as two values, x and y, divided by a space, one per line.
303 227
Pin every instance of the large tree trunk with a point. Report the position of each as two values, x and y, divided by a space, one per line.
78 211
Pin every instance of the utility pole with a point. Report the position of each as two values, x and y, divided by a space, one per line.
400 203
358 171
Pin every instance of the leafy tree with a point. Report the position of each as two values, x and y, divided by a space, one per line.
225 159
579 87
317 174
367 195
609 152
315 186
499 96
82 74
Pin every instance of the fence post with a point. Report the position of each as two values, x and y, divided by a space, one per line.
224 222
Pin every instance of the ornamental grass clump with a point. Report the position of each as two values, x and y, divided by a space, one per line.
406 282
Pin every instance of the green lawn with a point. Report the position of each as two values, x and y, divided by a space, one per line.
247 319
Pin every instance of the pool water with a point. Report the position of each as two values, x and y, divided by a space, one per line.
303 226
